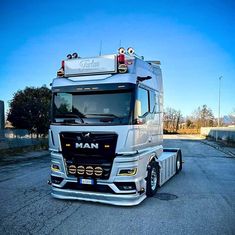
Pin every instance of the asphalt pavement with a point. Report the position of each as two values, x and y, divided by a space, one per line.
199 200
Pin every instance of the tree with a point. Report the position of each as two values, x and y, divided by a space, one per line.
172 119
29 109
203 116
189 123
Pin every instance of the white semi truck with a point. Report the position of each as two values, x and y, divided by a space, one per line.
106 131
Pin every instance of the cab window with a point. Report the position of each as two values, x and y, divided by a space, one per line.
152 99
142 102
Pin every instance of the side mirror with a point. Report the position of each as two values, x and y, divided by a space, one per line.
137 112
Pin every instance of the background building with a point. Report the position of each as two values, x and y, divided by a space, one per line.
2 115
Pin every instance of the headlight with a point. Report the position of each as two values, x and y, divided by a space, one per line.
127 172
55 167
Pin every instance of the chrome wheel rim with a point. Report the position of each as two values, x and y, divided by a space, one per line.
153 179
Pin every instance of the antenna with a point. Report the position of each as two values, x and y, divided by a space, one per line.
120 43
100 48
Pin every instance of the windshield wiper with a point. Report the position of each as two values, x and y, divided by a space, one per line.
69 115
103 115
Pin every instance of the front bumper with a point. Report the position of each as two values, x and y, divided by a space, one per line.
108 198
117 196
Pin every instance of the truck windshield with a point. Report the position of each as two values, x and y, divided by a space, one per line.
109 107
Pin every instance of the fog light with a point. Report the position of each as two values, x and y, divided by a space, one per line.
127 172
81 170
55 167
89 170
98 171
125 185
56 180
72 169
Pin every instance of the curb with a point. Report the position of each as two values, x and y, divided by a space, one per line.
215 146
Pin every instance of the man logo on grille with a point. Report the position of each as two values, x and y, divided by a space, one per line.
87 145
87 135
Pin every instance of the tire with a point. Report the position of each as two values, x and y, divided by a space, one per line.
178 163
152 179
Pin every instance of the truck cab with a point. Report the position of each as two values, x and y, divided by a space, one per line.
106 129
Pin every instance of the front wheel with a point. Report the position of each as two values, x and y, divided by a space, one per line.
178 161
152 179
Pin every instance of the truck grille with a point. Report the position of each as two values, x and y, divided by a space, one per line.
88 154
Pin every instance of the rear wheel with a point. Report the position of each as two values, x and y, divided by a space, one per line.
152 179
178 161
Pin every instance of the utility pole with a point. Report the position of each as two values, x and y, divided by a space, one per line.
219 100
100 48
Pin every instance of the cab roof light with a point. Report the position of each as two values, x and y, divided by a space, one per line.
60 72
69 56
122 68
131 51
121 50
62 64
121 59
75 55
121 55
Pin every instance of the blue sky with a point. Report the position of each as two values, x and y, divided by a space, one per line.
194 40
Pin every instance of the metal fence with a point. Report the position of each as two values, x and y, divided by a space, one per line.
17 138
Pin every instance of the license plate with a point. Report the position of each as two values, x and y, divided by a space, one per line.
87 181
